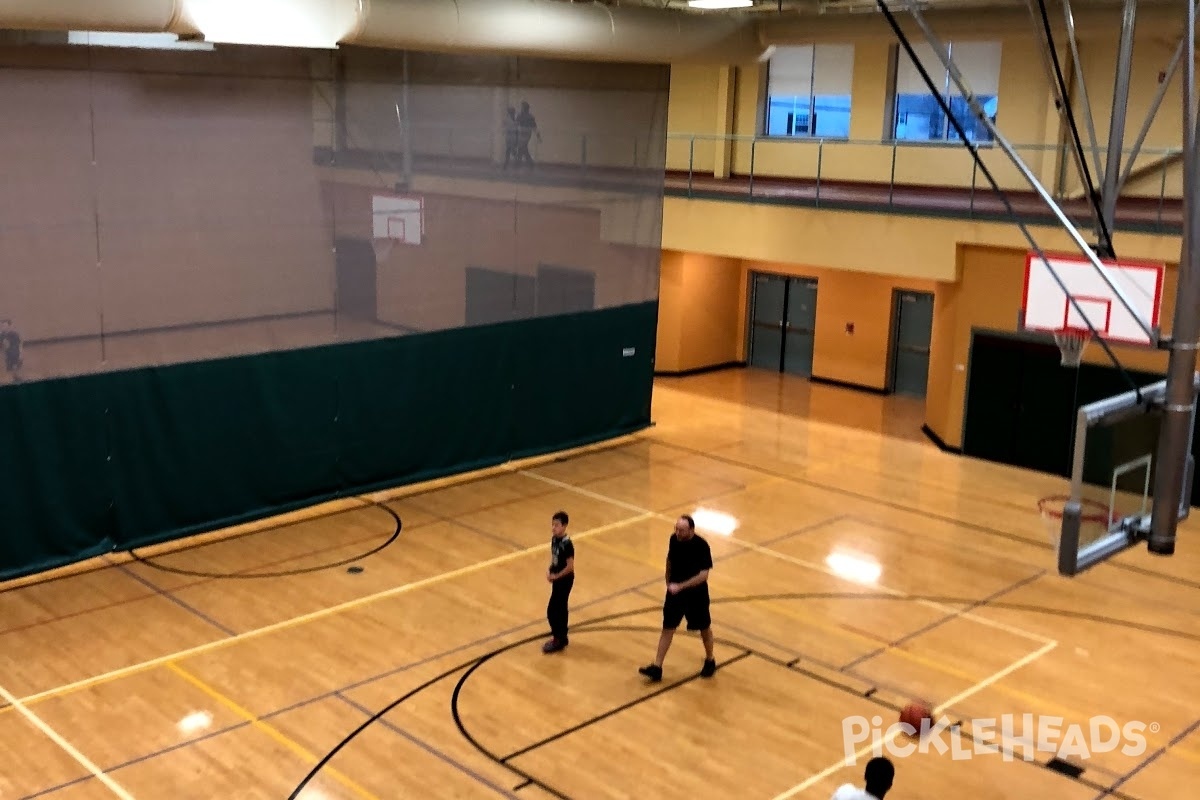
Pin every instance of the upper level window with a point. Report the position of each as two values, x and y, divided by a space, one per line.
808 91
919 117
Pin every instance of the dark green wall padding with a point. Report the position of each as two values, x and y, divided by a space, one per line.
1022 405
117 460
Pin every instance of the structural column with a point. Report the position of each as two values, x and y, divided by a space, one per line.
1178 405
726 113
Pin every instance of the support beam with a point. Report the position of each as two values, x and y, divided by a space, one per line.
1081 82
1152 113
1178 404
973 102
726 95
1062 98
1116 132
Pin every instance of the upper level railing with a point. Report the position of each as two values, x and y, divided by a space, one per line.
813 170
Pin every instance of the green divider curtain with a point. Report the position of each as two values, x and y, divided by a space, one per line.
125 459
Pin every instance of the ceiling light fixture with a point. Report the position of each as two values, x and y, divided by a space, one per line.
718 4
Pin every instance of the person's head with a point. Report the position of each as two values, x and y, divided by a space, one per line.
878 776
524 106
685 526
5 324
558 523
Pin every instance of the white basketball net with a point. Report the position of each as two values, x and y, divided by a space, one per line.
1071 345
383 249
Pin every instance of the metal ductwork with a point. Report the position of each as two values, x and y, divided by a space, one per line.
556 29
537 28
132 16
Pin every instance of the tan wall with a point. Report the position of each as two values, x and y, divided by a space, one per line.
700 317
704 306
1026 115
145 190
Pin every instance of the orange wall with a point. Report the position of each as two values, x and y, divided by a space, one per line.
986 297
845 297
700 321
703 308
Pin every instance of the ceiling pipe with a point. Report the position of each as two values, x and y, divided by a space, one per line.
117 16
580 31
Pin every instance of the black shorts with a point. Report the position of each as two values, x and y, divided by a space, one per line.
690 603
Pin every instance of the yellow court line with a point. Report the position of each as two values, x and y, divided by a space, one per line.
268 729
320 613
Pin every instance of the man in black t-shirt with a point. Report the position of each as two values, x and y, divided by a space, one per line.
688 562
561 575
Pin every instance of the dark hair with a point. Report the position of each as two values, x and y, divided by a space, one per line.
561 516
879 774
691 522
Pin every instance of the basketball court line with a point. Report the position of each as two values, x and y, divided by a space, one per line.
1040 544
1048 644
320 613
396 671
966 694
66 746
964 614
270 730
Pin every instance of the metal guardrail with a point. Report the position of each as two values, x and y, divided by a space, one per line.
807 159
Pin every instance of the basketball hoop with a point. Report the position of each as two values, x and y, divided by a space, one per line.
383 248
1071 344
1095 520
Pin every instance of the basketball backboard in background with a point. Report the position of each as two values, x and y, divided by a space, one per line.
1047 308
397 219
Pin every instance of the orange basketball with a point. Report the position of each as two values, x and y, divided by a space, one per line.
915 713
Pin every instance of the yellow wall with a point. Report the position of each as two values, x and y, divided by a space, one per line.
884 244
1026 115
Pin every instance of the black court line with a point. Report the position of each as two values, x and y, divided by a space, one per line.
428 748
613 711
592 624
948 618
975 526
392 537
522 785
1157 754
185 606
896 690
185 544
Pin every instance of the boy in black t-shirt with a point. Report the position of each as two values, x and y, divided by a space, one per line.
688 562
561 576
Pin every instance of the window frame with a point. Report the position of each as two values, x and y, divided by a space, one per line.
948 136
765 99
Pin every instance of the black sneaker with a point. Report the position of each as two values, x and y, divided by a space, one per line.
553 646
652 671
709 669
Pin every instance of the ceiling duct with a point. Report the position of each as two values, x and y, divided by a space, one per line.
584 31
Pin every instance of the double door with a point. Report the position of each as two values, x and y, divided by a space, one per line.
783 317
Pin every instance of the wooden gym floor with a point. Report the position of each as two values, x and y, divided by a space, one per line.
230 666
